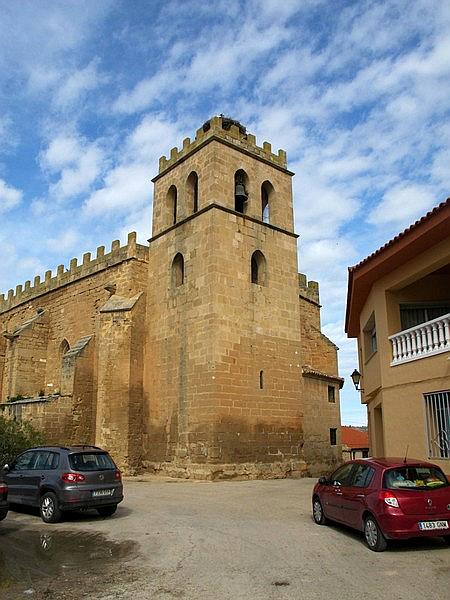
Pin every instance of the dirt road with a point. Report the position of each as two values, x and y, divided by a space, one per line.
211 541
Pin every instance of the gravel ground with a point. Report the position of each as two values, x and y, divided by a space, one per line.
211 541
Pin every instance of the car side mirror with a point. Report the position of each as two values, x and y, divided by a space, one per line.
323 481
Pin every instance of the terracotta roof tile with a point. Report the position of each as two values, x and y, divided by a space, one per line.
354 438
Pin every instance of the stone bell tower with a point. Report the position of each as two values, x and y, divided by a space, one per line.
222 374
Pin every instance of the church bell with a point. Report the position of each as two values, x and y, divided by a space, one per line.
240 192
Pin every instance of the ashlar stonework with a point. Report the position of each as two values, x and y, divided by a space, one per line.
199 355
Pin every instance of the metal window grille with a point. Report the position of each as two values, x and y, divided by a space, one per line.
437 407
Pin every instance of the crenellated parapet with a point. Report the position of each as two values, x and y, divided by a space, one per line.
230 131
75 271
308 289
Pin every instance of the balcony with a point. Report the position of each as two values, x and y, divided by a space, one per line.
421 341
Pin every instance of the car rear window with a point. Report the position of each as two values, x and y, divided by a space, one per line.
91 461
414 477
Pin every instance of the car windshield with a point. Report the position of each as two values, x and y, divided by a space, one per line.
415 477
91 461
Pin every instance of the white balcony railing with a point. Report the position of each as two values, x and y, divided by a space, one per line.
426 339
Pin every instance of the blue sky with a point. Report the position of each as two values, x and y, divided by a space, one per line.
93 92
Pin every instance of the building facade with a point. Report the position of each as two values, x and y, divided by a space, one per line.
355 443
198 355
398 308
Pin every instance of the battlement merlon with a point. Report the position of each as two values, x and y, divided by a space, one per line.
308 289
75 271
230 131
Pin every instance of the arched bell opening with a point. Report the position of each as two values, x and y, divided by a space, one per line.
240 191
172 200
192 192
267 195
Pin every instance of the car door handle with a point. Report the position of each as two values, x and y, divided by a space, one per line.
360 495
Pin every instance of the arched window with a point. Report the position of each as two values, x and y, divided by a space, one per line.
178 270
172 203
192 191
240 191
266 197
63 348
258 268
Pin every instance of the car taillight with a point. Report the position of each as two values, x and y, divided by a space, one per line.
389 498
73 477
118 475
3 489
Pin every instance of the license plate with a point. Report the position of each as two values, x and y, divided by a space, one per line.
423 525
100 493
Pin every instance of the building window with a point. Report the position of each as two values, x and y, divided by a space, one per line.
412 315
331 393
178 270
192 191
370 337
266 198
240 191
258 268
437 409
333 436
261 380
172 203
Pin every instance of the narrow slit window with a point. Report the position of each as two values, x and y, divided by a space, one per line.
331 393
261 380
258 268
178 270
172 201
333 436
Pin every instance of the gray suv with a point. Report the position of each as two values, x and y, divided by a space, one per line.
63 478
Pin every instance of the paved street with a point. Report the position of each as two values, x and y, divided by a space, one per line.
224 540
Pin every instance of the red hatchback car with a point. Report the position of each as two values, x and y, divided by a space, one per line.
386 498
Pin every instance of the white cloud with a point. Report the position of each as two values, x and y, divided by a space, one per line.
62 151
148 90
68 239
402 204
77 83
77 162
125 187
10 197
78 179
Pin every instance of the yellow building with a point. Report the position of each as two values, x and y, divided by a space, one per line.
398 308
198 355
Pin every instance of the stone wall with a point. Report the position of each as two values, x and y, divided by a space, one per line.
53 343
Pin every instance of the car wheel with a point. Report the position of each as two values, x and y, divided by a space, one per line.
374 536
107 511
3 514
318 515
49 509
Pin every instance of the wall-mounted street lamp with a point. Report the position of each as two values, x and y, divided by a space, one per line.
356 378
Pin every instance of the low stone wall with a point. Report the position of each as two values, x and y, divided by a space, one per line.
215 472
52 416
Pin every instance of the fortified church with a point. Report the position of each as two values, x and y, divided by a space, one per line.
197 355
